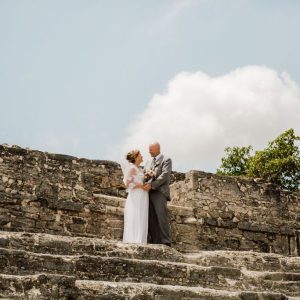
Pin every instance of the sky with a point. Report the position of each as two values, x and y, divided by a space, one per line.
98 78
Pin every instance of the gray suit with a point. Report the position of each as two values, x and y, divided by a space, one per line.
159 227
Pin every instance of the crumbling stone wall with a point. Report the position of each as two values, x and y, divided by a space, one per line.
54 193
60 194
235 213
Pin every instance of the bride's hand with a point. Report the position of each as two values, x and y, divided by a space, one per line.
147 187
139 186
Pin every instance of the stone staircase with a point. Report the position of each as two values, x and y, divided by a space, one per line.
61 221
45 266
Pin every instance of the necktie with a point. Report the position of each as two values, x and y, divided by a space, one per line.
153 162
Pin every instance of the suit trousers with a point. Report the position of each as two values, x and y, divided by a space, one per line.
159 227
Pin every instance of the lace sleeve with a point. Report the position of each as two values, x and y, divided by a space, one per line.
129 173
129 182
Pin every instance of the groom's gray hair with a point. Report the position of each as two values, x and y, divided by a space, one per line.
155 144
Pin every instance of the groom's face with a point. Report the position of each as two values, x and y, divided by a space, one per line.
154 150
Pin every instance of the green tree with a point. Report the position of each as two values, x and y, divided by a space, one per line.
279 163
236 161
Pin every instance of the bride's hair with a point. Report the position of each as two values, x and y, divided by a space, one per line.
132 155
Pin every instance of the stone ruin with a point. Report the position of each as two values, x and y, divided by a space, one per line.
61 221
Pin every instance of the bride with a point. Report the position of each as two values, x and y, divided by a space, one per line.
137 202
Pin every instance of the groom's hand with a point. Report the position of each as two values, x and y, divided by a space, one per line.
147 187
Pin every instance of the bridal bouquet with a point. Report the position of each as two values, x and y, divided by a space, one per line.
149 175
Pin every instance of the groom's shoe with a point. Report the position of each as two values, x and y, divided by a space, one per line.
168 244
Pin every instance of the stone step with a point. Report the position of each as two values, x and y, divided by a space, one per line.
116 269
38 287
255 261
87 267
68 245
53 286
274 281
121 290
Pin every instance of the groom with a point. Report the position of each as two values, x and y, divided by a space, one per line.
159 194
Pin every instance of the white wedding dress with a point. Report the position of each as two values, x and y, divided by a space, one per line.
136 207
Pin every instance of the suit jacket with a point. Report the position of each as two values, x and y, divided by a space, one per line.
162 169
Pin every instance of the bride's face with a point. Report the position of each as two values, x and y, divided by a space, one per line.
139 159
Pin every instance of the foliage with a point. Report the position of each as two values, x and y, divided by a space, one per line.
279 163
236 162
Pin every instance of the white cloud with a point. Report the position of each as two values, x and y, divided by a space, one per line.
199 115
